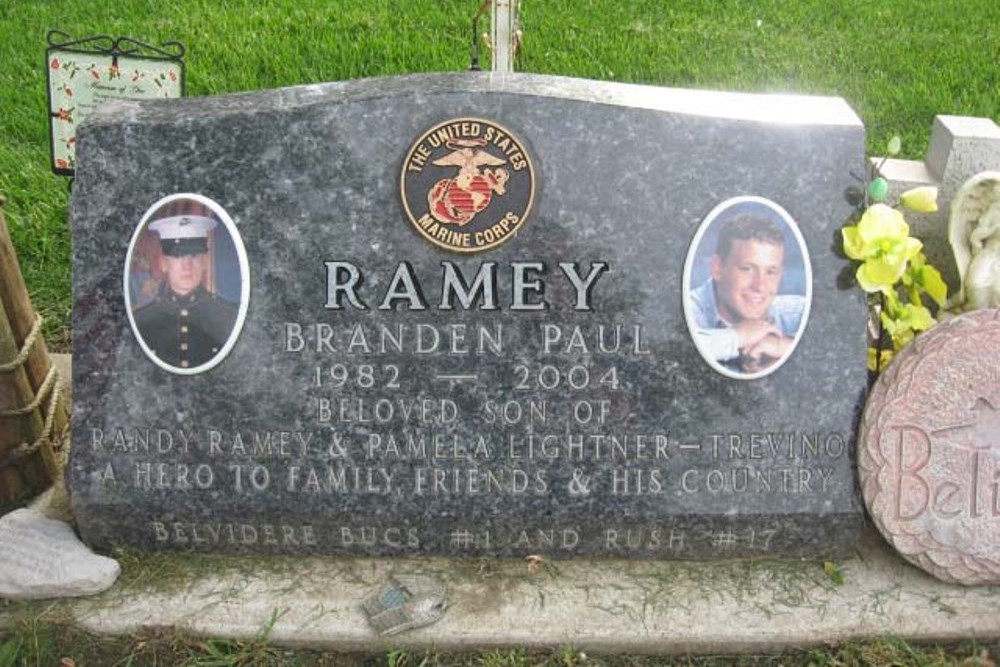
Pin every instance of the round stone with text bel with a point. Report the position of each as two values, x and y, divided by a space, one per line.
929 451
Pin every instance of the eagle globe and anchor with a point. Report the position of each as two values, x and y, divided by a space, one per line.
493 168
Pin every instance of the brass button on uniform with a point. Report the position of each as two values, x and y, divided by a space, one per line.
184 312
184 329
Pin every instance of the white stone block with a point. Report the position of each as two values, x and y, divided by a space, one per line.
43 558
963 143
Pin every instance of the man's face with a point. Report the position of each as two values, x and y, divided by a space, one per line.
747 279
184 273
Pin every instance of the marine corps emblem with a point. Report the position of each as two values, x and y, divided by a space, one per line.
467 185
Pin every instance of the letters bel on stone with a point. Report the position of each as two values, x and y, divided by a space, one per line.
467 315
929 458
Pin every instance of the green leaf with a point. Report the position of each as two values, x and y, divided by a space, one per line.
892 305
834 572
895 327
901 337
917 317
931 282
903 321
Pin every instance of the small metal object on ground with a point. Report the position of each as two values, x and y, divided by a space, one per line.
405 603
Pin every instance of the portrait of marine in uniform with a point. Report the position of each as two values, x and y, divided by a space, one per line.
185 285
747 287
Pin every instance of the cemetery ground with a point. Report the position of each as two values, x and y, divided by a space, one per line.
897 64
37 642
43 633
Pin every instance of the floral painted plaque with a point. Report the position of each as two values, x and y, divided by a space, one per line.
84 73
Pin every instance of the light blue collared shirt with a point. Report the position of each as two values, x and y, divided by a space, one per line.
716 336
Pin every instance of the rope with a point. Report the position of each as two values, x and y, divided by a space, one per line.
51 387
29 342
43 390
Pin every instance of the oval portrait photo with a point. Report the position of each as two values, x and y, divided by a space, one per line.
187 283
747 287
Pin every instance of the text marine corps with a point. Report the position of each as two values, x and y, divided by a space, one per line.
467 185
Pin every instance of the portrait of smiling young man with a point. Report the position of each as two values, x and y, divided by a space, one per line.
740 318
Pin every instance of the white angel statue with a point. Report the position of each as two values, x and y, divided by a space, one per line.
974 234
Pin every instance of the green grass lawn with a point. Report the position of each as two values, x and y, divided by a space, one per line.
898 62
43 643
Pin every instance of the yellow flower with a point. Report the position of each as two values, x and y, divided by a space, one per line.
881 239
920 200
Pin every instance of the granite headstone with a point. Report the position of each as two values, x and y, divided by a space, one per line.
466 314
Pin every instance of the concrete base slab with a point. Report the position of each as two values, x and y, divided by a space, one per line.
598 606
603 606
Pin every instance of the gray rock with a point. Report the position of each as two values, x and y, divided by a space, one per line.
362 417
43 558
